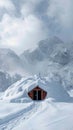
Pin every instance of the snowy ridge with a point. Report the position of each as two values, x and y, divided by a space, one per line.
10 61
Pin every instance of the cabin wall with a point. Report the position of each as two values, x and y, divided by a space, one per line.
30 94
43 93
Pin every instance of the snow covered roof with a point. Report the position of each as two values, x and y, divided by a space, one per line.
37 82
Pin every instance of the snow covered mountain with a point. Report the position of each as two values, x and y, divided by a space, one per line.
43 51
6 80
10 62
11 68
51 57
49 50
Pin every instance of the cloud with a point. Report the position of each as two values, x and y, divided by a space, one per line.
60 15
21 34
32 7
6 7
25 22
61 11
27 9
6 4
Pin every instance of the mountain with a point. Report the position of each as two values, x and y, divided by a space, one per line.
48 50
39 58
42 52
6 80
10 62
53 49
52 57
11 68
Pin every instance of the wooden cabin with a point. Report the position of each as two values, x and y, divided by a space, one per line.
37 93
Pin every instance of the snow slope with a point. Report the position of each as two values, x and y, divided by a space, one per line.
11 62
49 117
19 112
11 68
40 115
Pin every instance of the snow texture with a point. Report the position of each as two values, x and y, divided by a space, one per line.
19 112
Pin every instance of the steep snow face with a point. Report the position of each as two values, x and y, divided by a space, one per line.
10 62
42 52
11 68
54 48
6 80
18 92
49 50
61 56
52 56
39 58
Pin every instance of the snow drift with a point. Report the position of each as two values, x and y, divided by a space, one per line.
18 92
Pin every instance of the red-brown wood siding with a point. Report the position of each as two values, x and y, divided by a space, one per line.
37 88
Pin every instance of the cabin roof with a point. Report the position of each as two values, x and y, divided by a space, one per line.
37 88
41 84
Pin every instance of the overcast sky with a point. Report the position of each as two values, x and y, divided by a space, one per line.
25 22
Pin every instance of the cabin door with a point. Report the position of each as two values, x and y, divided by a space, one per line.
36 95
39 95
